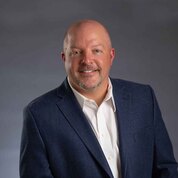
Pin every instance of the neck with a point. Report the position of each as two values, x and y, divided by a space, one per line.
97 94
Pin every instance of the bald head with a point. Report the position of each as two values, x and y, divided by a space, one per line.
86 25
88 57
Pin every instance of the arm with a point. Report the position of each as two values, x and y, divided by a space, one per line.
165 165
33 157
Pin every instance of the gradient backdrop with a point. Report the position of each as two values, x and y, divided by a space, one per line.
144 33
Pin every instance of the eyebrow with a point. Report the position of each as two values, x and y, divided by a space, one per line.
98 45
93 46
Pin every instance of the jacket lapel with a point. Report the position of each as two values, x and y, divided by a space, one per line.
122 99
79 123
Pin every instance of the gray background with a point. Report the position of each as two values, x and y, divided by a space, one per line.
144 33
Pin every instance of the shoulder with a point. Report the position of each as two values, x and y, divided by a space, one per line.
50 97
44 101
48 101
133 88
128 84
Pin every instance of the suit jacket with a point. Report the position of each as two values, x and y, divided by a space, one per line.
58 142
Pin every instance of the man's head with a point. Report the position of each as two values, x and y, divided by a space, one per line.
88 55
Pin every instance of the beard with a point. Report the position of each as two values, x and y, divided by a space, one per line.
86 83
86 87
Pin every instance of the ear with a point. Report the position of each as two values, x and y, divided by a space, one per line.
63 56
112 54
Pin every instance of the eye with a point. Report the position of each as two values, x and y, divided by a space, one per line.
75 53
97 51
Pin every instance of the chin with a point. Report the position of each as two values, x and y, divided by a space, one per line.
86 87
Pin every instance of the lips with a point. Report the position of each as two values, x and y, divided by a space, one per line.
88 69
88 72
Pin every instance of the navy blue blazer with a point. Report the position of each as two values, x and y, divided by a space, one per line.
58 142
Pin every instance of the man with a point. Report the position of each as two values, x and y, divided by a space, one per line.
93 126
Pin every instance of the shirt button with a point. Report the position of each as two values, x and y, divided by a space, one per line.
109 158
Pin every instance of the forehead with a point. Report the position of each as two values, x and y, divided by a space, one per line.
92 33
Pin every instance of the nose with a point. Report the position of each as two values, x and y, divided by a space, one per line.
87 57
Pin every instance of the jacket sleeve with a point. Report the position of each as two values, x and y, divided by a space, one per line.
165 165
33 157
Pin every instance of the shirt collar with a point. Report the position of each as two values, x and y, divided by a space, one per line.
82 99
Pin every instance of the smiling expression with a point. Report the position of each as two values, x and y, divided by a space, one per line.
88 56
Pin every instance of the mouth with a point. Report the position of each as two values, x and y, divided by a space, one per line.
88 71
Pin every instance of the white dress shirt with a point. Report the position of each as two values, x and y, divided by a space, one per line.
103 122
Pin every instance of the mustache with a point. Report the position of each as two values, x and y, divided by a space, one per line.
89 67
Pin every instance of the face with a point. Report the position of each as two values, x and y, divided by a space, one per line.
88 57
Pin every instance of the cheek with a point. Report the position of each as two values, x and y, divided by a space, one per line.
68 65
71 65
105 63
